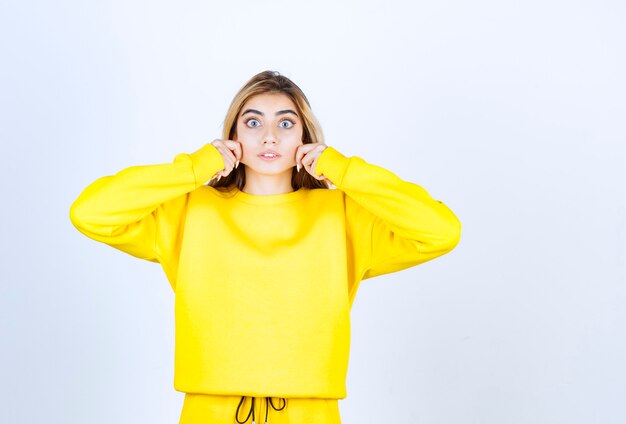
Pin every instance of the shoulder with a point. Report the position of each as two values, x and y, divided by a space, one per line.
324 193
325 199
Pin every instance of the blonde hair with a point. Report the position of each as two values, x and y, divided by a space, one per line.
272 82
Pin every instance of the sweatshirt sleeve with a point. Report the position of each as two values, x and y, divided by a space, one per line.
139 209
392 224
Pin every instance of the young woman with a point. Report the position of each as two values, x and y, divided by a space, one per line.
265 260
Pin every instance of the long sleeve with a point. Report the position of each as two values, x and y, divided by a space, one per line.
138 210
392 224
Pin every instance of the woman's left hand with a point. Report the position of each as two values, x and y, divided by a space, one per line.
307 155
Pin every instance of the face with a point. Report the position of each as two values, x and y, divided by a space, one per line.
269 123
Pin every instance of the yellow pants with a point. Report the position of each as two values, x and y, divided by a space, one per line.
213 409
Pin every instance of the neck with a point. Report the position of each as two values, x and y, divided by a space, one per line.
265 185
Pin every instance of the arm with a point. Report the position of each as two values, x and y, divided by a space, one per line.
138 209
393 224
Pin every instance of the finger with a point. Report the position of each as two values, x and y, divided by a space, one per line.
217 143
229 156
310 161
228 167
223 147
300 152
235 147
304 152
307 160
229 163
318 152
310 157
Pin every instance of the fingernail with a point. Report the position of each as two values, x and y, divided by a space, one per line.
237 164
219 178
298 167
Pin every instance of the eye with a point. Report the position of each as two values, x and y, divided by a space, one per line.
286 124
253 123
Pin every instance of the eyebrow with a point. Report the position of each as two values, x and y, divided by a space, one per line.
280 112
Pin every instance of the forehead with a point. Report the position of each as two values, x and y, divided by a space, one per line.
269 102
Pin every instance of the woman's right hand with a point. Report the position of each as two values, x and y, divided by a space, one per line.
231 154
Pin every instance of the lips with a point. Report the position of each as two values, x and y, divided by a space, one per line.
269 154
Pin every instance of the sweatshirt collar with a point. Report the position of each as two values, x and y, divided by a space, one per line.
270 199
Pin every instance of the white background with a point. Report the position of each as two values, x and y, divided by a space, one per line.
511 112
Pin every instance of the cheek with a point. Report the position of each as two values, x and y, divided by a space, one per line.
244 138
294 142
296 137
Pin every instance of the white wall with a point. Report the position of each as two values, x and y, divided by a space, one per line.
510 112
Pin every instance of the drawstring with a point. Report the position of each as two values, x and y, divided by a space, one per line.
250 412
268 401
271 402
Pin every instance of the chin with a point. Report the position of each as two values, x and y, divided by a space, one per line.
271 170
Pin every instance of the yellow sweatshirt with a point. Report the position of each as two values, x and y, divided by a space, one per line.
264 284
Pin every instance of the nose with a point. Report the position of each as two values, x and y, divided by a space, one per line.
269 137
